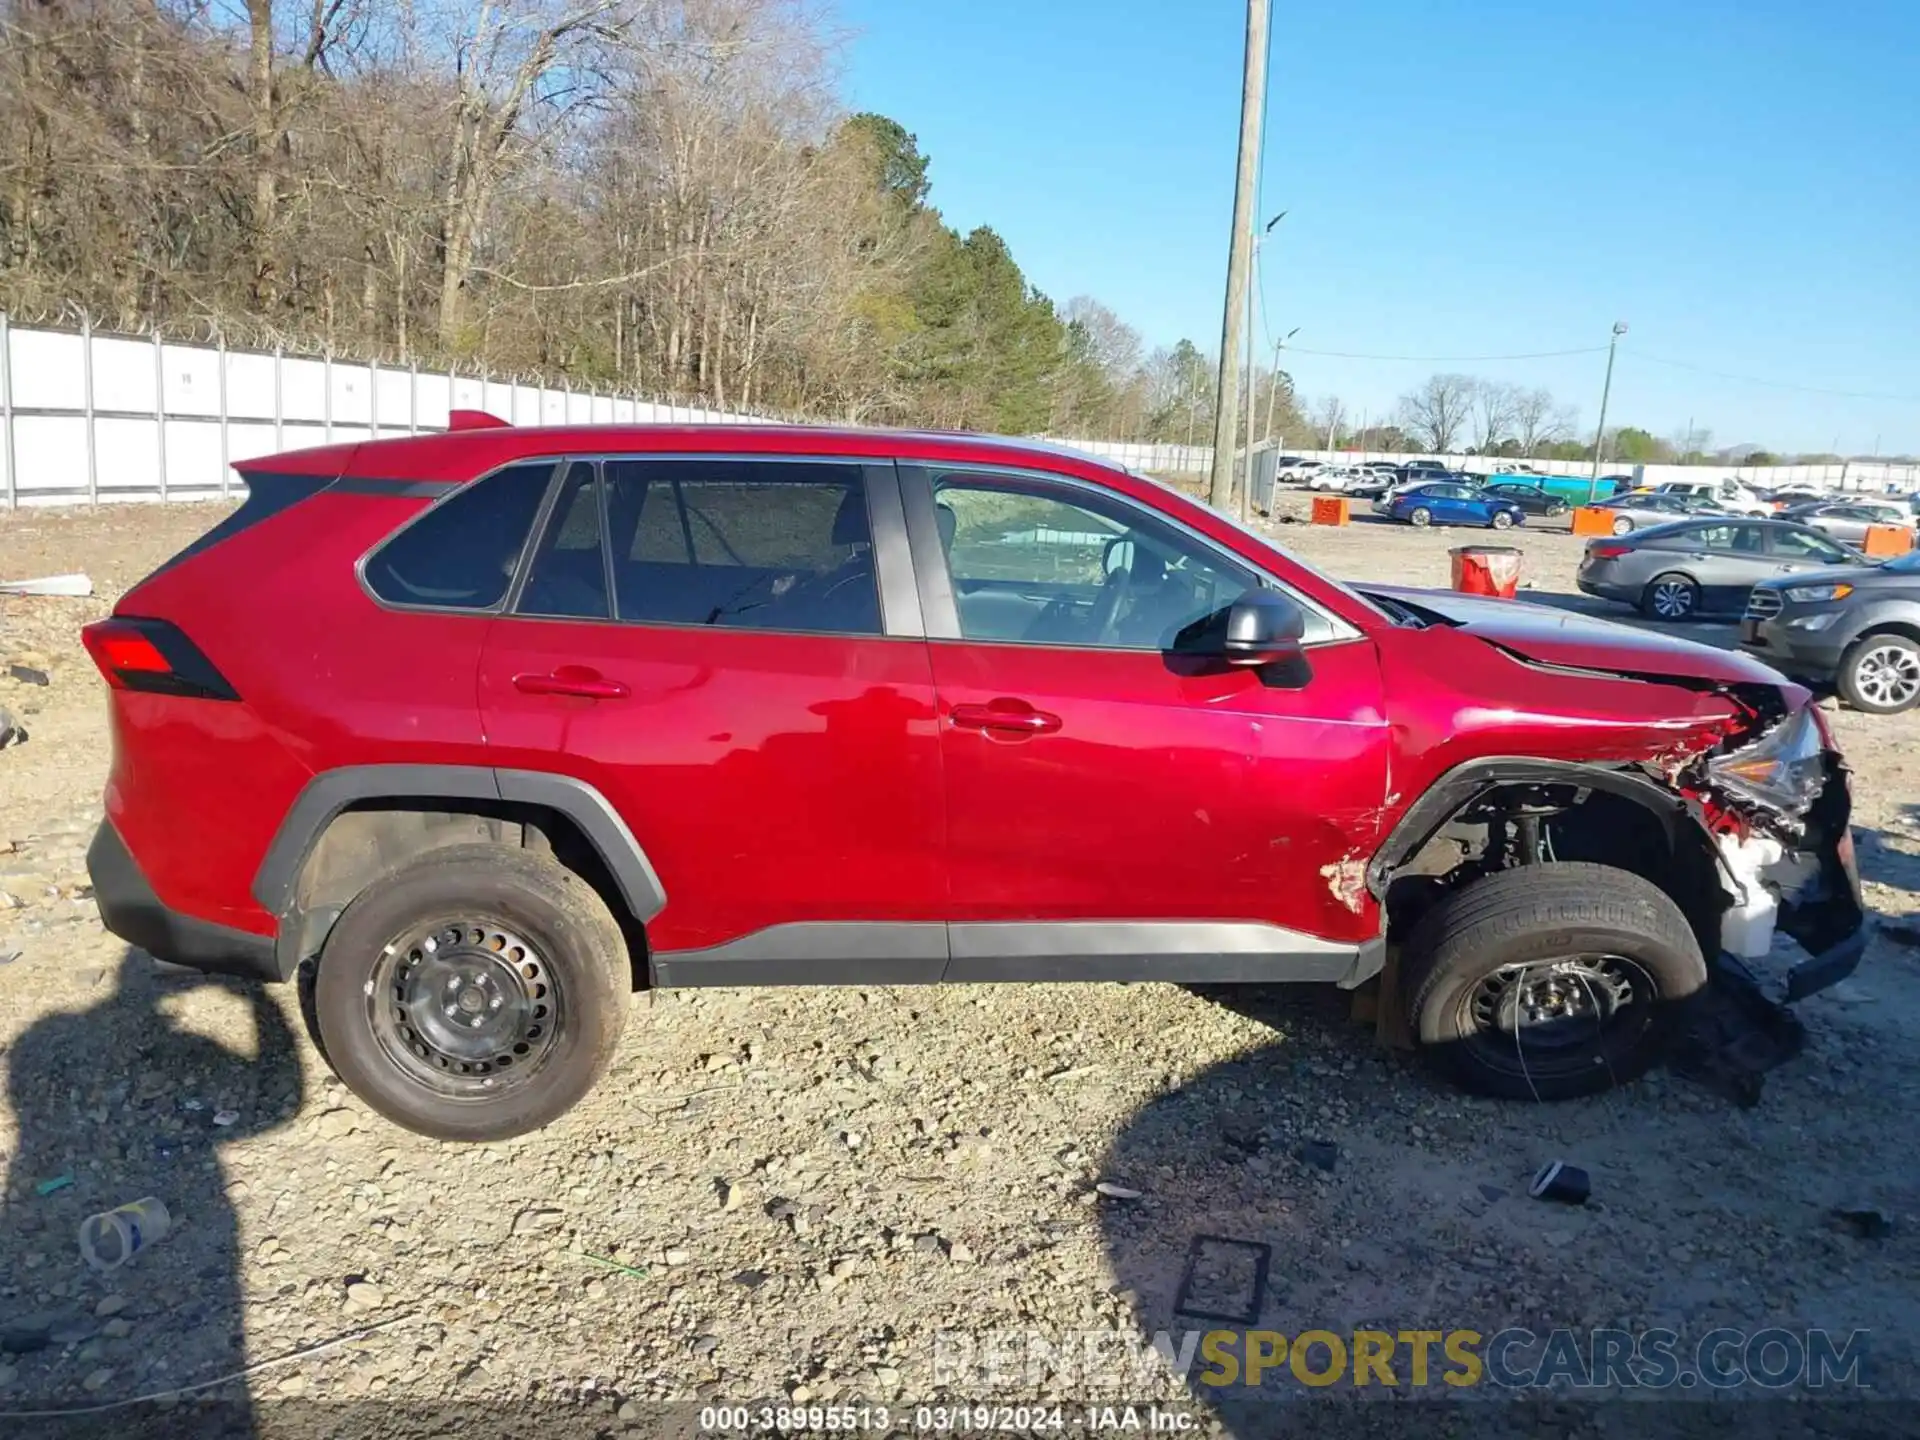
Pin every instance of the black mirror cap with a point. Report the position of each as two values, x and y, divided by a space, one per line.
1262 627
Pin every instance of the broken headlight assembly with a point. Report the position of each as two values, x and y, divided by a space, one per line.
1783 771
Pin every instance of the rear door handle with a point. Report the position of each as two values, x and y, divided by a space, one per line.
1015 717
581 681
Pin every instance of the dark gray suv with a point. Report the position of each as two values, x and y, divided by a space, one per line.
1854 626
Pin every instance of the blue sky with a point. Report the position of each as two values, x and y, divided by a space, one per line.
1740 182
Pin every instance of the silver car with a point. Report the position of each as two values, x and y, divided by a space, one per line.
1849 520
1703 567
1639 510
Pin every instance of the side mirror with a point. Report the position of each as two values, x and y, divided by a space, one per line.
1262 628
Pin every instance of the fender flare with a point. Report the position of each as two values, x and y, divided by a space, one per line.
332 791
1455 789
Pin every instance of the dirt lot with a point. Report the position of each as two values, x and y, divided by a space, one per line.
786 1195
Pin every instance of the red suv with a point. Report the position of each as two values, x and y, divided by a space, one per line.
496 726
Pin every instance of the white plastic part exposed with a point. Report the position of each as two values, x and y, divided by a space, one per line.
1746 928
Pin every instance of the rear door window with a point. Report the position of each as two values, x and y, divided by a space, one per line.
462 553
568 576
745 544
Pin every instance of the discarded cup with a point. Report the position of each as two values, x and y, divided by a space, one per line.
113 1237
1563 1182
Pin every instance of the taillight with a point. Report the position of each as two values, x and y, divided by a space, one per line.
1600 551
153 655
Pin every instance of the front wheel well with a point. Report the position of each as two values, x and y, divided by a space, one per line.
1905 629
1508 824
372 837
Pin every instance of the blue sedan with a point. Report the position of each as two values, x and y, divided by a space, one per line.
1446 504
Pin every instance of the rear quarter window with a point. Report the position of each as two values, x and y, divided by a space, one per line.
462 553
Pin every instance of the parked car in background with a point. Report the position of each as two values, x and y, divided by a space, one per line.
1424 470
515 722
1574 489
1703 567
1729 494
1530 498
1376 478
1638 509
1849 520
1341 478
1450 503
1856 627
1300 471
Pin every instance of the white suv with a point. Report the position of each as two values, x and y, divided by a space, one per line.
1728 494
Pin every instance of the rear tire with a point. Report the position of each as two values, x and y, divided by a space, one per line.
1622 525
1550 981
1501 520
476 993
1420 516
1881 674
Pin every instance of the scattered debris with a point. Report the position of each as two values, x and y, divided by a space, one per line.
636 1271
49 1187
224 1118
732 1194
111 1238
1320 1154
7 957
1735 1034
77 586
538 1219
1557 1180
1867 1222
1220 1269
1116 1192
29 675
11 731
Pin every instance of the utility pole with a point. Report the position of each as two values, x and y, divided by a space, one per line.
1253 394
1606 389
1253 96
1273 385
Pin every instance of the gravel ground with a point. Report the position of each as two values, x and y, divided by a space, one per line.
789 1195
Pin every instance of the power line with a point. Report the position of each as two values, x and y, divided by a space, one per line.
1449 359
1774 384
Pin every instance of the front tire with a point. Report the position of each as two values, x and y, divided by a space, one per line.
476 993
1420 516
1550 981
1881 674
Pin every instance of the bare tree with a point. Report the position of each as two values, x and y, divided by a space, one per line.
1329 414
1438 412
1494 409
1539 420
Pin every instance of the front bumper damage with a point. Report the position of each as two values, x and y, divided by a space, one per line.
1794 873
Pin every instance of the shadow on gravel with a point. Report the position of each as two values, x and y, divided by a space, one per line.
114 1103
1249 1217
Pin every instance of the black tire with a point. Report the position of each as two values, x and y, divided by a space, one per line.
1880 674
1671 596
1501 520
500 922
1622 525
1421 516
1459 957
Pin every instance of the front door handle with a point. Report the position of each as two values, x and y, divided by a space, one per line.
581 681
1014 717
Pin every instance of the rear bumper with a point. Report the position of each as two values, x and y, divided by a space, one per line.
1601 590
130 909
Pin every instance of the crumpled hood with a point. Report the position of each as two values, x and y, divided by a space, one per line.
1550 636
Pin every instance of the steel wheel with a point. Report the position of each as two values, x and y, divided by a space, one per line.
1672 597
1548 1017
1885 675
466 1007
